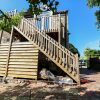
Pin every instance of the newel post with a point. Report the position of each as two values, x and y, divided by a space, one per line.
59 36
77 68
22 23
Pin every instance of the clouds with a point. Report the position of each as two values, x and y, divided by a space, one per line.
93 45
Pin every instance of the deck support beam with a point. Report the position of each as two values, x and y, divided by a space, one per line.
9 49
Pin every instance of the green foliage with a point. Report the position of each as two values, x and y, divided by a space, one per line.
73 49
95 3
35 6
6 24
91 52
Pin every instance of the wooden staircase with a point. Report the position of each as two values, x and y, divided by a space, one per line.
57 53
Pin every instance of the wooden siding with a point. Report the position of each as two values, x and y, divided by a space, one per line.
23 60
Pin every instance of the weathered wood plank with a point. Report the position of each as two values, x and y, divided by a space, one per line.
2 74
23 54
22 63
23 60
3 57
33 57
22 73
23 76
23 66
2 71
22 69
23 49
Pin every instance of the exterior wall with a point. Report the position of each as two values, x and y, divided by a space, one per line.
22 61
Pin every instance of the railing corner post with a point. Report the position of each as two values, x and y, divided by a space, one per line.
77 66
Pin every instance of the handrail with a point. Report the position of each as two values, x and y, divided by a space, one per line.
60 46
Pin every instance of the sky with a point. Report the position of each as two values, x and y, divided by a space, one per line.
81 21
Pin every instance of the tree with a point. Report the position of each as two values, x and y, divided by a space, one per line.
73 49
38 6
7 22
91 53
95 3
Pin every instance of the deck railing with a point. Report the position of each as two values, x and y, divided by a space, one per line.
61 56
47 23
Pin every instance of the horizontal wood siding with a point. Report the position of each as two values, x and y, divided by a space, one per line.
23 61
3 58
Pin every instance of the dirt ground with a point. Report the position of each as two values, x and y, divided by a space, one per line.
41 90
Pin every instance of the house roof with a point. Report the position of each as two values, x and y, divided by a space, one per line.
61 12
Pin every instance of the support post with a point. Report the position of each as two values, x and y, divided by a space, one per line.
77 66
1 36
9 49
59 34
42 23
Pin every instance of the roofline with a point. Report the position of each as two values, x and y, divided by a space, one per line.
61 12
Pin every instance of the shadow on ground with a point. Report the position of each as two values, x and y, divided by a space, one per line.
37 91
24 92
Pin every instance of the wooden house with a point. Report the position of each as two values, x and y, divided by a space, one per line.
35 42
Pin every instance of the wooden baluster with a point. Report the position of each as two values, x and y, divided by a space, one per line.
51 24
68 60
43 42
48 46
54 23
38 39
73 65
64 59
51 47
45 23
60 56
45 45
54 50
57 53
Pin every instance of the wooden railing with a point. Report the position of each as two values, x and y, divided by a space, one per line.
61 56
47 23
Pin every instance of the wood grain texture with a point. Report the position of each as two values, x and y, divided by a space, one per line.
23 60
